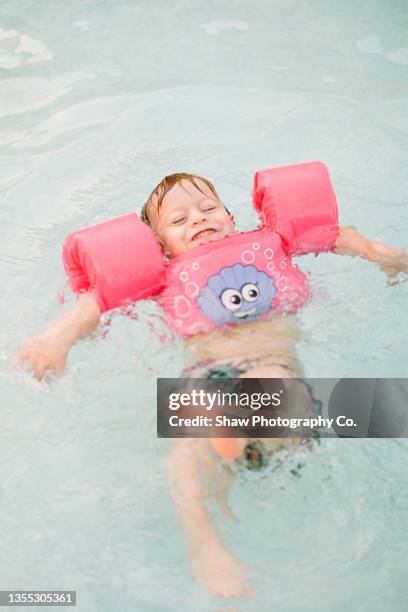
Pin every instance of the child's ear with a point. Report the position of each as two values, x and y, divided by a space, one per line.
159 240
166 253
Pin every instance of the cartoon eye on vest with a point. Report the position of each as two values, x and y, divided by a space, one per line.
236 294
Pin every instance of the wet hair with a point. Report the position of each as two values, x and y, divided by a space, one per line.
168 183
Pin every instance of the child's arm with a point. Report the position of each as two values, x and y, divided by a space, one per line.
391 261
49 351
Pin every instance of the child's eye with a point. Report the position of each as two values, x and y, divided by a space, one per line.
178 220
209 208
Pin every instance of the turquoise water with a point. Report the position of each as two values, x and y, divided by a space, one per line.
99 100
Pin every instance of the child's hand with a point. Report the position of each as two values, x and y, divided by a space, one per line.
50 350
391 261
42 353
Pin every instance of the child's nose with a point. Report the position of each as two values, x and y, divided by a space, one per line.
198 216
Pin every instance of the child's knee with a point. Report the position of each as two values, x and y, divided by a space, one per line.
228 448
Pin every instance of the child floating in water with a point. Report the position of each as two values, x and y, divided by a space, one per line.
184 212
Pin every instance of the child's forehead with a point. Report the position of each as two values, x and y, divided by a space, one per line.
186 192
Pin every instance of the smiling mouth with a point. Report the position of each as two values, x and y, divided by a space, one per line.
203 234
244 315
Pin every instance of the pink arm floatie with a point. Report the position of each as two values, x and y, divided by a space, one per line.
120 259
299 203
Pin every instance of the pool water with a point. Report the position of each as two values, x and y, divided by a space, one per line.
98 101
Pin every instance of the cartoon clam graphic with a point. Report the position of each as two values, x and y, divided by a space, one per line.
236 294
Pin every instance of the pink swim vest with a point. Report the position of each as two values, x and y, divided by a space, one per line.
240 278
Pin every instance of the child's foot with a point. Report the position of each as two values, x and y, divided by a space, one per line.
221 573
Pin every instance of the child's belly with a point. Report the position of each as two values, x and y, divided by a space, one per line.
257 344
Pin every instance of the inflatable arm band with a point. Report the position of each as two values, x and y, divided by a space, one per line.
299 203
122 260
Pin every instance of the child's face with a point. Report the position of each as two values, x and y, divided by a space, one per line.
188 218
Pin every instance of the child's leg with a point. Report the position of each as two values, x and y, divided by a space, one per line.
219 571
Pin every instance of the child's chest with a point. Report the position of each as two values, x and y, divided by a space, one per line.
239 279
